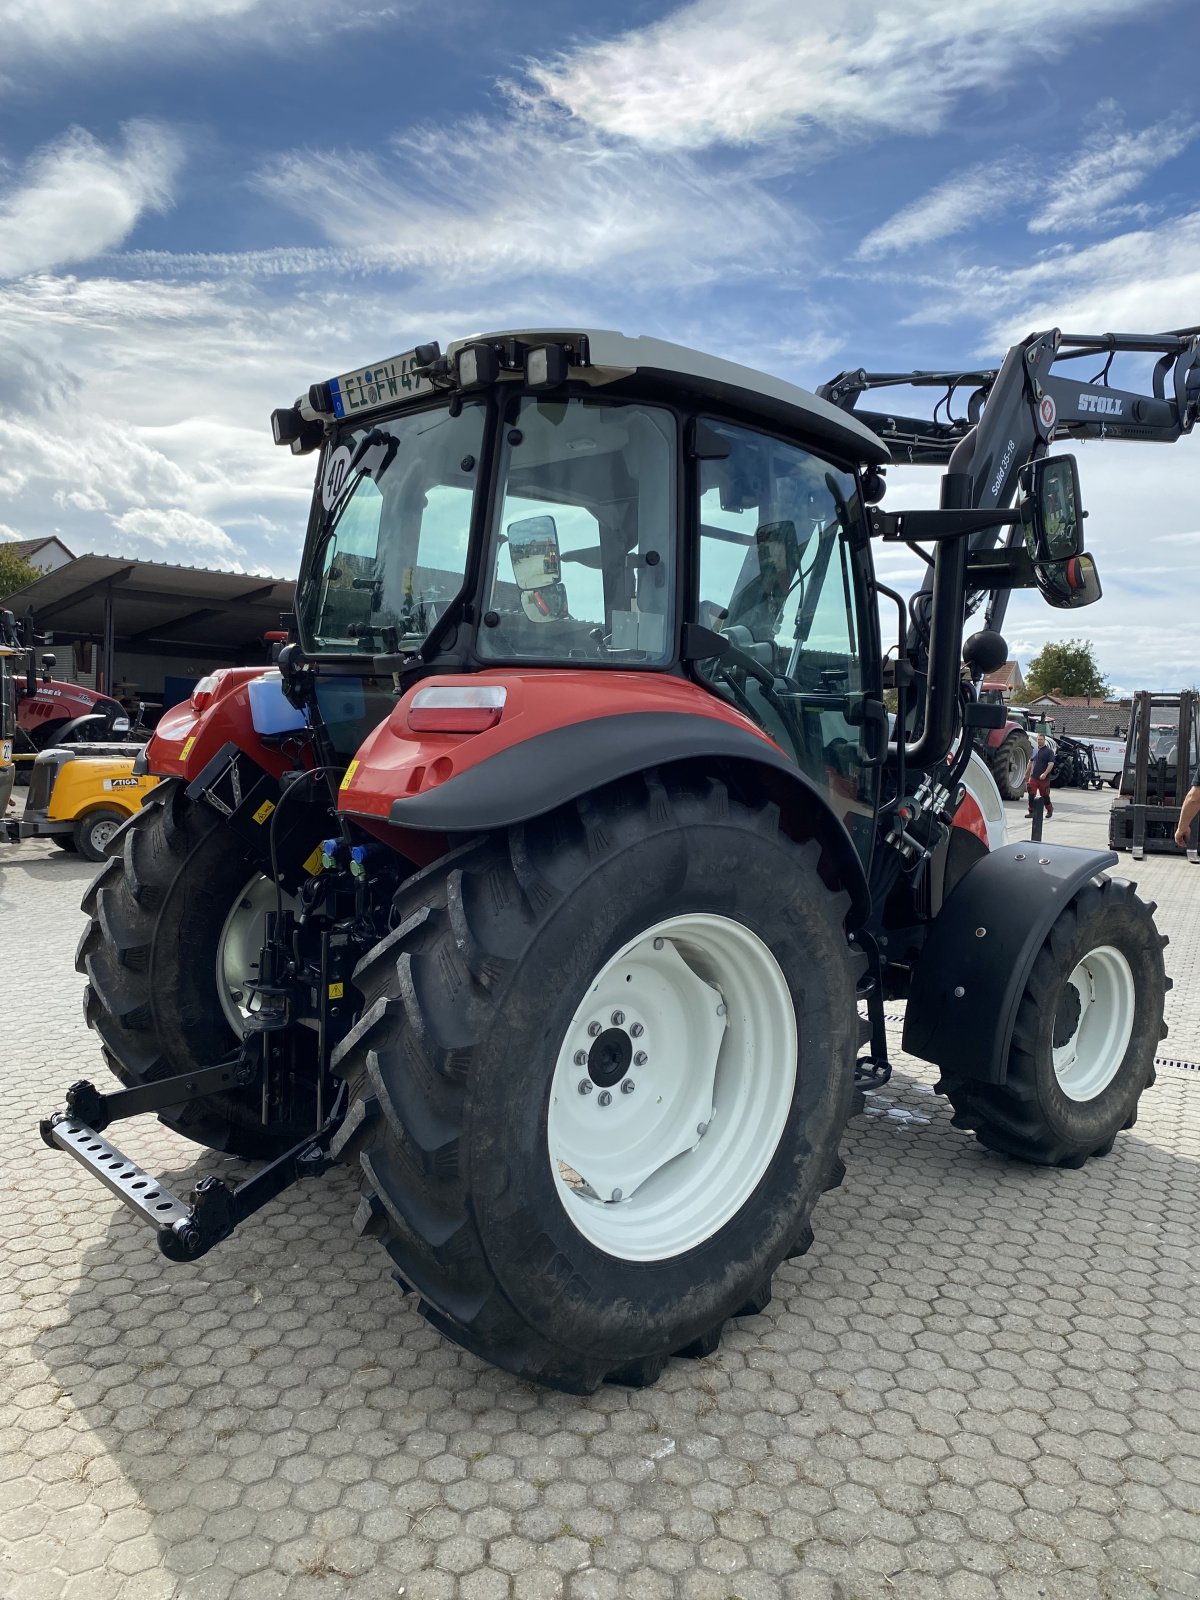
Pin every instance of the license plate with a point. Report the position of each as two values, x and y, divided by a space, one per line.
381 385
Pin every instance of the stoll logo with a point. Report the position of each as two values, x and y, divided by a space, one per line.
1106 404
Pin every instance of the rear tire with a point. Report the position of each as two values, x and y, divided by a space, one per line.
1008 763
156 912
463 1067
1087 1029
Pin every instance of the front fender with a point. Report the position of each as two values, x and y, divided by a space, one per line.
976 961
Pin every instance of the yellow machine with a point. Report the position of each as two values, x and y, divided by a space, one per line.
79 797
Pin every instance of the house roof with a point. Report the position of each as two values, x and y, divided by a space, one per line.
28 548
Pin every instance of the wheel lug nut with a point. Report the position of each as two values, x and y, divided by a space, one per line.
581 1058
604 1098
637 1030
618 1017
658 943
616 1194
640 1058
702 1128
585 1086
594 1028
628 1086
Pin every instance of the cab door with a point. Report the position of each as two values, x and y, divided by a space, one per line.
782 575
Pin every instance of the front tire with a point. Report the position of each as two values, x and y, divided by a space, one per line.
565 1239
1087 1029
158 913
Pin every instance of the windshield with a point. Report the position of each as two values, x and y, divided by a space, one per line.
581 559
392 522
8 696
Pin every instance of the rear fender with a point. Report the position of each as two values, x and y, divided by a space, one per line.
563 734
976 961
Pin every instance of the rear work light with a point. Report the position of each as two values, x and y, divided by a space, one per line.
203 692
461 708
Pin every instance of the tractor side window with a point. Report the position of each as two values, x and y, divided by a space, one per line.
581 557
778 531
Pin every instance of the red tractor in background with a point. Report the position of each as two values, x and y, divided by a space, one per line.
558 874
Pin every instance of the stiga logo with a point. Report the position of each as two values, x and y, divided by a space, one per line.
1106 405
121 783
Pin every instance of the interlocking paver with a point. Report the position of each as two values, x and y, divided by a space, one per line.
983 1381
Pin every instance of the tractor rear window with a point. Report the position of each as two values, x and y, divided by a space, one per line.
581 557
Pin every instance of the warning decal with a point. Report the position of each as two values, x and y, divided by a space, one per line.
1048 412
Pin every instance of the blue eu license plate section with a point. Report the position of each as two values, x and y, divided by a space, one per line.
380 385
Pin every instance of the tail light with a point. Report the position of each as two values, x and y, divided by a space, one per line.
204 691
458 708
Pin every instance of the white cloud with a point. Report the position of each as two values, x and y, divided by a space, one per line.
187 539
1112 164
952 207
71 33
711 73
537 194
75 198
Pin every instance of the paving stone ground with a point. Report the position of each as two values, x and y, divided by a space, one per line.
983 1381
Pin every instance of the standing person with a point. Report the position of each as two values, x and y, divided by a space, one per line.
1038 774
1188 811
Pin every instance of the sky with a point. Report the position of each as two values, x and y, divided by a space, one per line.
205 205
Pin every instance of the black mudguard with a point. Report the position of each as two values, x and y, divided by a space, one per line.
976 961
540 774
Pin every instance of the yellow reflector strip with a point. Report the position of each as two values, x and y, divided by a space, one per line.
350 771
187 747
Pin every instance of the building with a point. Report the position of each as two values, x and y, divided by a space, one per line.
1009 681
146 630
44 554
1084 714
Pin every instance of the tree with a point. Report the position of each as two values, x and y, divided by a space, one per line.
1066 668
15 571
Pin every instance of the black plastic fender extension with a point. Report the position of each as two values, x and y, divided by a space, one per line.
547 771
974 965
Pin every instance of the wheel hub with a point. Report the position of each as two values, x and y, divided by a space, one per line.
1093 1023
672 1087
609 1058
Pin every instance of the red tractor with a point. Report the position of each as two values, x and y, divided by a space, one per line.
558 874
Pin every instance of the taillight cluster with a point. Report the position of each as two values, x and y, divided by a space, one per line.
456 708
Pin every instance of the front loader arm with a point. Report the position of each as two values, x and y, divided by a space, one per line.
1011 415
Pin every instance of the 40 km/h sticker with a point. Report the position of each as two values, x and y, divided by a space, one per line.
1048 412
337 471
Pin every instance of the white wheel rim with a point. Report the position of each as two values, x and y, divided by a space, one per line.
240 947
649 1173
1088 1061
102 832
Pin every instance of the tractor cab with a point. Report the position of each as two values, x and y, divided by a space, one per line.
585 501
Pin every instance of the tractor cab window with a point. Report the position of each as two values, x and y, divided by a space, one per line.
581 557
391 525
778 531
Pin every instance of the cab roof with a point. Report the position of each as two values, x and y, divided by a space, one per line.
614 356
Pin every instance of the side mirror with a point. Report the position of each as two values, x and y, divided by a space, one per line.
48 665
1051 508
533 550
1069 584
